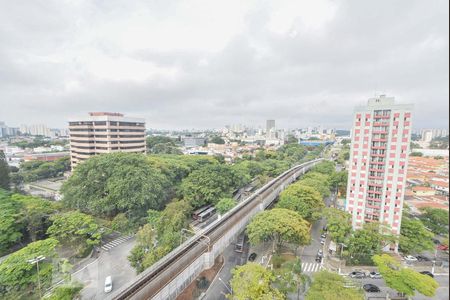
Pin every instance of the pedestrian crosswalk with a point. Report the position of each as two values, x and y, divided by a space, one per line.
116 242
311 267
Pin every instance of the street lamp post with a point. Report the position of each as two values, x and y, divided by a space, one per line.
36 261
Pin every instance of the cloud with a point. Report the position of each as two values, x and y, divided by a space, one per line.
204 64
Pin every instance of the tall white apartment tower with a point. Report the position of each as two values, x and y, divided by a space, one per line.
379 150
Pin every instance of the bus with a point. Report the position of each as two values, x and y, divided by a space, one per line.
206 214
239 247
197 212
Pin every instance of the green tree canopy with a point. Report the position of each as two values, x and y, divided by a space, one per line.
318 181
253 281
436 219
211 183
75 229
4 172
303 199
225 204
339 224
325 167
216 140
366 242
331 286
414 237
278 225
161 235
108 184
11 222
404 280
36 213
18 275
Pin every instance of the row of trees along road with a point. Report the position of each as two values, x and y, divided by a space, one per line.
203 181
288 223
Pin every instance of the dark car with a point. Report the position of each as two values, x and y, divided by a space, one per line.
318 259
357 274
371 288
252 257
422 258
325 228
427 273
437 242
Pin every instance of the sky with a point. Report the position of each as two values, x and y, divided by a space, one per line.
205 64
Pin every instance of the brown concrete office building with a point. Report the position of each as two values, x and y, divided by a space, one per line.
103 132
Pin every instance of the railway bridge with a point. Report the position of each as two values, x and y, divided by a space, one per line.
167 278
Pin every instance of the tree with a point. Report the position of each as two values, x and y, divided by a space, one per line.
18 275
331 286
436 219
36 213
414 237
75 229
289 277
152 141
278 225
303 199
325 167
216 140
121 223
253 281
416 154
4 172
11 222
366 242
161 235
318 181
108 184
339 224
339 180
210 183
225 204
66 292
404 280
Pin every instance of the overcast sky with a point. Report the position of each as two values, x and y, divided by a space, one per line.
204 64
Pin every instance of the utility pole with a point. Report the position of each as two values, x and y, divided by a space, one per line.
36 261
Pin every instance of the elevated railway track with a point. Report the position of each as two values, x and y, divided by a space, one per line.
169 276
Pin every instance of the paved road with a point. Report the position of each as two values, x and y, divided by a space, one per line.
110 263
220 287
441 293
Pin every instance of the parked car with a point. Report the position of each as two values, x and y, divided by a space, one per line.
437 242
371 288
322 241
320 252
410 258
252 256
357 274
318 258
422 258
108 284
325 228
324 235
375 275
442 247
427 273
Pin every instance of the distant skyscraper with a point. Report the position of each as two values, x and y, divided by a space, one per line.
270 124
103 132
378 162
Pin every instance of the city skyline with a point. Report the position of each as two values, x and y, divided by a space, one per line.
300 63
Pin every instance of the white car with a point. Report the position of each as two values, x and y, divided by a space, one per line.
375 275
410 258
108 284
